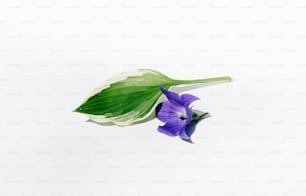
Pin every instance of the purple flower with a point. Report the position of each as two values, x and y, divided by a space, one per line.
175 113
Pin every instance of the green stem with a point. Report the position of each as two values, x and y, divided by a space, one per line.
196 117
203 115
202 81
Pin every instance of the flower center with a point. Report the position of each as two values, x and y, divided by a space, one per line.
182 115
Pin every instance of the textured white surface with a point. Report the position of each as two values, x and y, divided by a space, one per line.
53 53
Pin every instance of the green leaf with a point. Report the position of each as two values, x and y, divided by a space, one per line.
130 97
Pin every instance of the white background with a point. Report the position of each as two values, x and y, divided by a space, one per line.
54 53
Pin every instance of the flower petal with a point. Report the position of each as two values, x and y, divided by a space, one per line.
187 99
168 112
189 130
171 129
184 136
172 96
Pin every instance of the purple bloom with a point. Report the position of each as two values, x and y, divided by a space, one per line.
175 113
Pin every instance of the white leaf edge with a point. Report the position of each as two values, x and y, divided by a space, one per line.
119 120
